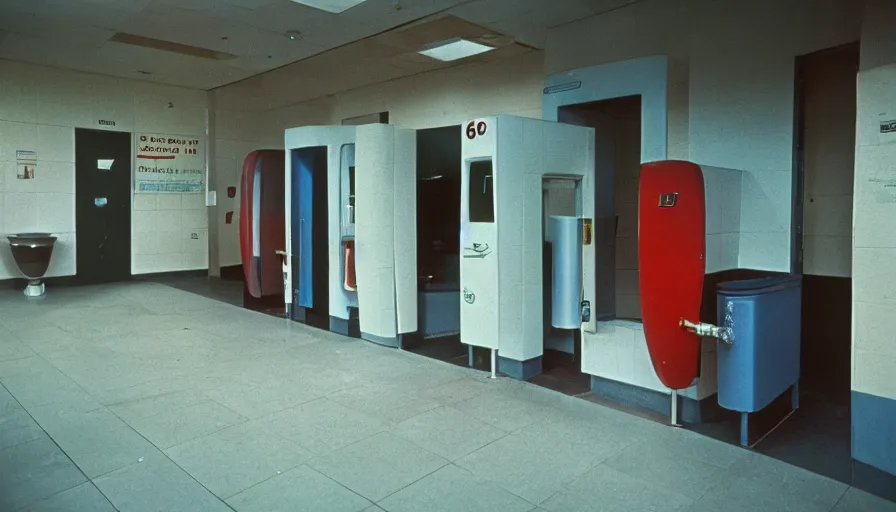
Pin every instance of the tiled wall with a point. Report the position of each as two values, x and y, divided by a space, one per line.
40 109
874 246
723 194
741 106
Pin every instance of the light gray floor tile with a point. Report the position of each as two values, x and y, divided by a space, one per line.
740 494
14 436
155 485
48 339
564 450
856 500
41 386
448 432
97 441
181 425
455 391
692 444
144 390
11 348
260 400
511 461
147 406
299 490
237 458
83 498
388 403
608 490
451 489
789 479
322 426
503 410
378 466
33 471
668 469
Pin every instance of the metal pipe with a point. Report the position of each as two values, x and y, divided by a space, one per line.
494 374
674 396
709 330
469 356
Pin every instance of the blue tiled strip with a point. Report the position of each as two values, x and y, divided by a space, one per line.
690 410
379 340
874 431
522 370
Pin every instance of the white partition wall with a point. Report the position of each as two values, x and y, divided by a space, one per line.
505 162
386 232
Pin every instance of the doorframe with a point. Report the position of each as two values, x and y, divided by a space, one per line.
799 167
132 163
797 215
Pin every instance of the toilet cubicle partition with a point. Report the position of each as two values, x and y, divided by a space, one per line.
386 232
371 222
506 161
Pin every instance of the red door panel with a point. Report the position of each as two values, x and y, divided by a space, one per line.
671 248
263 221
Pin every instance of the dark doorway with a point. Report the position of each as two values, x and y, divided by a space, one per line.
438 247
310 239
103 205
823 198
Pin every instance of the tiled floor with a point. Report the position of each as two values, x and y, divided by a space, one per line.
140 396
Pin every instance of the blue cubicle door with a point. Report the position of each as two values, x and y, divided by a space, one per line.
302 222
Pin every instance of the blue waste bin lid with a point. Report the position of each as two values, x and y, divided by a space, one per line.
760 285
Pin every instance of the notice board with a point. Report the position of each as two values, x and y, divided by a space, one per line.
169 163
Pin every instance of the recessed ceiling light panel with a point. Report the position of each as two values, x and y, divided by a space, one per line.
334 6
455 49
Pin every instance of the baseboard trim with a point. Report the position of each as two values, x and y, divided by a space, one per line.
232 273
521 370
350 328
874 431
380 340
690 410
872 480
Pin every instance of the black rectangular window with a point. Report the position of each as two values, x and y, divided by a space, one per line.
351 186
482 192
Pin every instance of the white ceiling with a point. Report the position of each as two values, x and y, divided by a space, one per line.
73 34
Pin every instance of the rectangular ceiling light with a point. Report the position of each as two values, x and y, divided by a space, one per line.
455 49
334 6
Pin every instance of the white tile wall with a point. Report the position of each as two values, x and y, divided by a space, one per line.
40 109
874 241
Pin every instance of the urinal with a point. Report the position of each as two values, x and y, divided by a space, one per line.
32 252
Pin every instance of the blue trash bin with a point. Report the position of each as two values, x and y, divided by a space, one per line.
762 359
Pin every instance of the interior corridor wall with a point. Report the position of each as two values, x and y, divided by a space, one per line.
40 108
236 133
437 98
873 401
730 105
